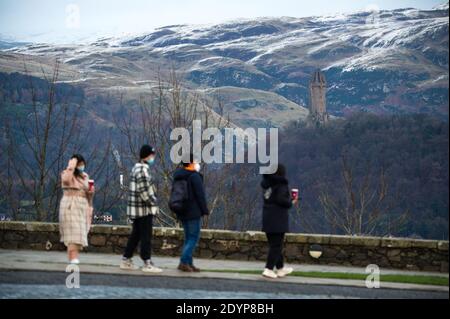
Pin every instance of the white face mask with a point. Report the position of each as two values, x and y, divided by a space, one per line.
197 167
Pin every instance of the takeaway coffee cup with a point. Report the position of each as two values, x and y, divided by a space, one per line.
91 184
294 193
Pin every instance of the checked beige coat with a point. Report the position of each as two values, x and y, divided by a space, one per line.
75 211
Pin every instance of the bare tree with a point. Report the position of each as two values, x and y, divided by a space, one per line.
8 189
37 148
38 145
169 106
361 207
234 197
300 218
106 170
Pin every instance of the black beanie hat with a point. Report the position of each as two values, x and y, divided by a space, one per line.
146 150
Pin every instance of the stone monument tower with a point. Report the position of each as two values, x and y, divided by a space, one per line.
318 104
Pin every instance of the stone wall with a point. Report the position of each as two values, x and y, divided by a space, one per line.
427 255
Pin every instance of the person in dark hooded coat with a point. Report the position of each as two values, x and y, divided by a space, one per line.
191 216
277 202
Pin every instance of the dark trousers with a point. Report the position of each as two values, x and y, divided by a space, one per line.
275 256
142 232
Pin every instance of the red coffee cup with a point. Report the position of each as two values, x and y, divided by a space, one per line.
91 184
294 193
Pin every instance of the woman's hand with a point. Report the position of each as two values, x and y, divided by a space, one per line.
68 173
91 190
72 163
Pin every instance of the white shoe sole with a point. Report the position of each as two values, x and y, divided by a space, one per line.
284 275
153 271
128 268
270 277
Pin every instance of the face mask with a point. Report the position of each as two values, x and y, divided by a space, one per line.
80 169
151 161
197 167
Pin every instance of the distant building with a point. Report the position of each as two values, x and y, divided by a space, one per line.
105 218
318 103
5 218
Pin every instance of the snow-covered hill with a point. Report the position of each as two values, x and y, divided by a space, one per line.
385 61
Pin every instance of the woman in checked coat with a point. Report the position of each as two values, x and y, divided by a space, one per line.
75 212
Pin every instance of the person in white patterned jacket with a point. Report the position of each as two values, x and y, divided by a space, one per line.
141 208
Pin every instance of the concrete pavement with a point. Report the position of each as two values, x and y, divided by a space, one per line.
16 284
93 263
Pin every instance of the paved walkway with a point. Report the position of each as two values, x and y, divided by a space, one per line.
108 264
47 284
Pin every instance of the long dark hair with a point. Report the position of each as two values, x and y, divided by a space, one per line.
281 170
80 159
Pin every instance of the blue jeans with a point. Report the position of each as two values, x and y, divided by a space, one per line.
191 237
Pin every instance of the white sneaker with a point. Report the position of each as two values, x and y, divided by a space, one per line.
75 261
284 271
269 274
149 267
127 264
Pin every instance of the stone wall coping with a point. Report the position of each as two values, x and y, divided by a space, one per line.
340 240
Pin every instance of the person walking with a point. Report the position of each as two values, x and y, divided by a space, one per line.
277 202
76 207
190 206
141 208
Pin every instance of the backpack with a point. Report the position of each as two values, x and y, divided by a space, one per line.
179 196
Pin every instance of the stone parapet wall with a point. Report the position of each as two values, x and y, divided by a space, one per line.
399 253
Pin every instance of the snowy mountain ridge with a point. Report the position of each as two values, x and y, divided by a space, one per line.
388 61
